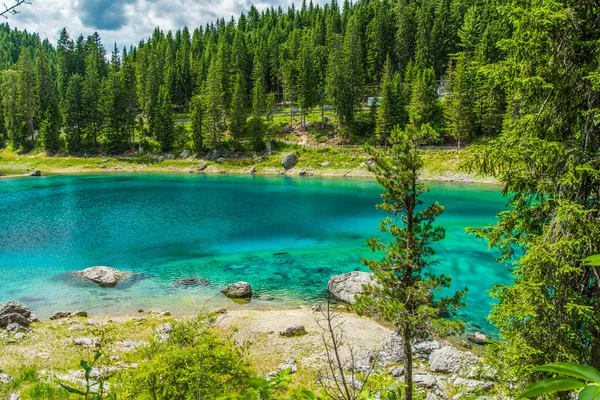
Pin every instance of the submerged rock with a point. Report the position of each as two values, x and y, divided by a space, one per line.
14 312
289 161
238 290
191 281
345 287
104 276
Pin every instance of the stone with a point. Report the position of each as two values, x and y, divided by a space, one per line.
478 338
202 167
14 312
220 160
20 335
88 342
289 161
103 166
60 314
184 154
449 359
345 287
425 379
164 332
316 308
14 396
220 310
424 349
104 276
14 327
238 290
472 385
290 364
396 371
191 281
303 172
161 313
392 351
79 314
213 155
160 159
325 164
294 330
5 378
37 172
252 170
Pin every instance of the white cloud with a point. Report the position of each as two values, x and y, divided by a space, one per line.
126 22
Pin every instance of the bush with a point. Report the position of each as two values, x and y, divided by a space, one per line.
192 363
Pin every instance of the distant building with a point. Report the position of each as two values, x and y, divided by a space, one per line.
373 101
442 89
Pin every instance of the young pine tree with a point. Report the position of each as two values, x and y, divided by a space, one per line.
403 290
238 112
197 121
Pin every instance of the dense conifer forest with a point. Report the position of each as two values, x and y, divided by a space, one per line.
360 67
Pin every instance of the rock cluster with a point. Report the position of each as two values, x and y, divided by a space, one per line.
289 364
15 313
345 287
65 314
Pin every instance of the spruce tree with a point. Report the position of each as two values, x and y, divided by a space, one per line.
239 108
25 99
459 103
47 102
74 118
197 122
391 111
402 292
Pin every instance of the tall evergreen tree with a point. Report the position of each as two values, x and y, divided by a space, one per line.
197 122
239 108
391 110
459 105
402 291
74 115
47 102
25 99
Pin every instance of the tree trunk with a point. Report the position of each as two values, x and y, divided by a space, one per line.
408 372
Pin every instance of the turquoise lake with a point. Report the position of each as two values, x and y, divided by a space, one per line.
286 236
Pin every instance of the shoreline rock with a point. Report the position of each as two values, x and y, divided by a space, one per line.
345 287
238 290
14 312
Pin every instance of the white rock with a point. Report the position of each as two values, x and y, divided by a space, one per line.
104 276
345 287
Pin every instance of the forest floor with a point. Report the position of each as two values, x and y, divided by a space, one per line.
439 165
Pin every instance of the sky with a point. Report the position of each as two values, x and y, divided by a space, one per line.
126 21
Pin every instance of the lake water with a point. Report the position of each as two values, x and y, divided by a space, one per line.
285 236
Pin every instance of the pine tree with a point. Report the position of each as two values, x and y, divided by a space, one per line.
259 88
239 108
402 292
391 110
459 103
47 102
25 99
92 84
73 111
197 122
308 79
165 133
214 105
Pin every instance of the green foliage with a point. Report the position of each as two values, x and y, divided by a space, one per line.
403 292
547 161
587 382
192 363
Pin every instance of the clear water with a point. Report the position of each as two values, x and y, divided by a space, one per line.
286 236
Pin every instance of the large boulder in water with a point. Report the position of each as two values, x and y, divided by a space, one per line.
104 276
345 287
238 290
289 161
15 313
